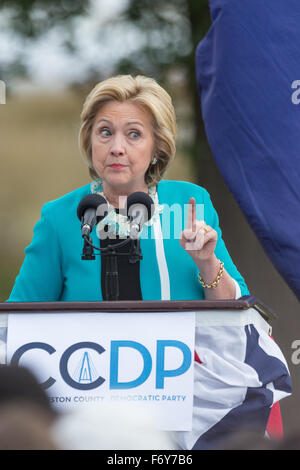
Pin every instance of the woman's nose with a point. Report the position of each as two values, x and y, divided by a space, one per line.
118 146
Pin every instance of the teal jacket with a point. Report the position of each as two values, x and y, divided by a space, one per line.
54 271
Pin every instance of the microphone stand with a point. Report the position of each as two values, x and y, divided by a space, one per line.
111 272
134 201
88 249
135 251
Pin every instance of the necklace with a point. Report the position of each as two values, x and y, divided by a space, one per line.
117 223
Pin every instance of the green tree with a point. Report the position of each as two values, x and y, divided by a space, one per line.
171 31
32 18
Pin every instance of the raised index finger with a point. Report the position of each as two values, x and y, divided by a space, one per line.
191 217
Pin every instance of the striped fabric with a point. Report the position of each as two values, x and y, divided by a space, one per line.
240 375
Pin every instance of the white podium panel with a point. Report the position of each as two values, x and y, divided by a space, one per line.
143 359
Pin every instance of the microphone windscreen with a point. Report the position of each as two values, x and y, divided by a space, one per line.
141 198
91 201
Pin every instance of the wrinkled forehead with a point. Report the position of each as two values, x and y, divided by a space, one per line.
124 112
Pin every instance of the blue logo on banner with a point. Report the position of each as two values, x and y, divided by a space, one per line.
86 377
85 371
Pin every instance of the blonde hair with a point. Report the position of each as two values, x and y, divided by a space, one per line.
145 92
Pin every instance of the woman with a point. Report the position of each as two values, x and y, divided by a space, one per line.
127 137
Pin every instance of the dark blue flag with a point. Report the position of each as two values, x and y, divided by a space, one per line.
248 74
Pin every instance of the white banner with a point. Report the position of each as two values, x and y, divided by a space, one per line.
142 359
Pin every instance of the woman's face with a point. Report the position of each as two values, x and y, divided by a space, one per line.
122 146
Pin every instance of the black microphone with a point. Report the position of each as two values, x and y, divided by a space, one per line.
91 209
140 209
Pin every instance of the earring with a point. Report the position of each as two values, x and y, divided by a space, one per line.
154 161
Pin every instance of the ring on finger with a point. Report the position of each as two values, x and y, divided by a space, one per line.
206 228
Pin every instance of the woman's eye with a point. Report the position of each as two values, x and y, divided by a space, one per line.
135 134
105 132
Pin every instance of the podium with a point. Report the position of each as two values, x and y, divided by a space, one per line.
238 371
243 303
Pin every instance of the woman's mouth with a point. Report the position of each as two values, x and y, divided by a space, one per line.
117 166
